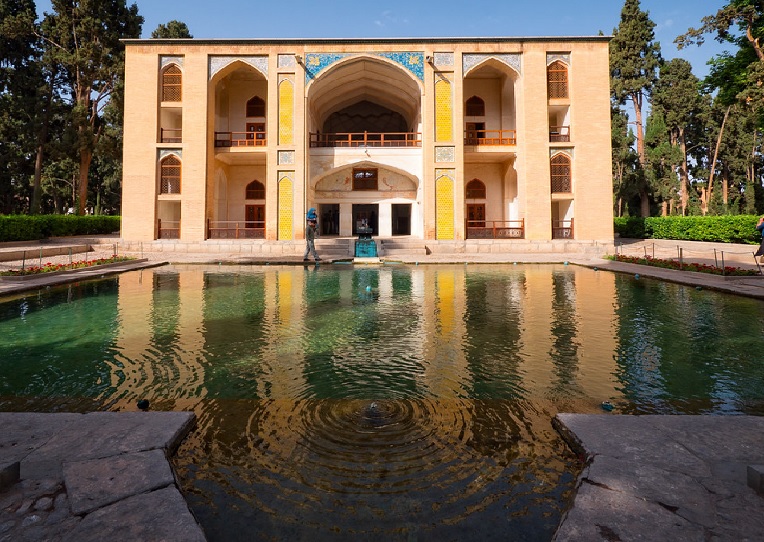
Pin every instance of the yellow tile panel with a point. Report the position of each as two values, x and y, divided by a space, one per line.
286 113
444 208
443 110
286 205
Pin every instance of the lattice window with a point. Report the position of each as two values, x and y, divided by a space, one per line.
475 107
561 174
475 189
172 83
365 178
557 79
255 190
170 176
256 107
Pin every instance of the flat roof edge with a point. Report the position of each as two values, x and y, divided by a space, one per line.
339 41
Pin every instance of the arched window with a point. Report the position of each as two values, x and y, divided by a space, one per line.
557 80
475 189
475 107
255 190
561 175
256 107
170 175
172 83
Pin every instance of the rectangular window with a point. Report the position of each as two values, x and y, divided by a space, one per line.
365 179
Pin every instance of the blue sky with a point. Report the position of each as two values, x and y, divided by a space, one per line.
445 18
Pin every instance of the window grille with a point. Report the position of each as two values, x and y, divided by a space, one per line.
475 107
561 174
256 107
557 80
172 82
170 176
255 190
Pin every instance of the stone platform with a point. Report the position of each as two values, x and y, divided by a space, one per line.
93 477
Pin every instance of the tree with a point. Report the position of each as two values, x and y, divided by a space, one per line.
663 156
82 37
676 95
625 161
634 60
172 30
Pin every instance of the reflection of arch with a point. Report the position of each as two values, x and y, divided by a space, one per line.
255 190
169 176
475 189
172 84
364 78
560 169
557 79
475 107
255 107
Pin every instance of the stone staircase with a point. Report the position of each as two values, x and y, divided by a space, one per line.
334 248
401 246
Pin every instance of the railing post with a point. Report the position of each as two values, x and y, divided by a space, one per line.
681 258
237 231
723 270
159 228
716 262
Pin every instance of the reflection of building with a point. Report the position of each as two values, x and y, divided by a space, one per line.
445 139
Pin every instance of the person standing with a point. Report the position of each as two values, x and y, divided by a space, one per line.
760 229
310 238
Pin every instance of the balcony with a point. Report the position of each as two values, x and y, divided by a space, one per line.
366 139
495 229
170 135
227 229
562 229
559 134
168 229
240 139
490 137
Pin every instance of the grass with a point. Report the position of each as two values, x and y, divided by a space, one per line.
687 266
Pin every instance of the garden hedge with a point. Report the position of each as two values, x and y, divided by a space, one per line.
27 228
724 229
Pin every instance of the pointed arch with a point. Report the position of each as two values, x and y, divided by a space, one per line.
557 79
255 107
475 189
169 175
560 169
475 107
255 190
172 83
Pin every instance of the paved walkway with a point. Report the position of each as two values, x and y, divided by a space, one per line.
650 477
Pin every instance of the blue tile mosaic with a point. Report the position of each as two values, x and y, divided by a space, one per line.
315 63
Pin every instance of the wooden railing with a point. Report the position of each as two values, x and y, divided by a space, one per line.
231 229
495 229
168 229
562 229
559 134
240 139
490 137
170 135
366 139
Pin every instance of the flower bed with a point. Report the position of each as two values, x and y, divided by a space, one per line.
686 266
54 268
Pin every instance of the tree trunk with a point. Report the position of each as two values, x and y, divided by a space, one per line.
684 177
86 156
716 153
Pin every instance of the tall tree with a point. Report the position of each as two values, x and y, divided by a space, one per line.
634 60
625 161
172 30
663 157
676 95
82 37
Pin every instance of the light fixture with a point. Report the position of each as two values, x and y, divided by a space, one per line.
429 59
298 58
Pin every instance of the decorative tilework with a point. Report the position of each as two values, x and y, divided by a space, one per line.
286 61
286 205
286 112
444 59
443 109
444 173
167 152
444 206
553 57
164 61
513 60
445 154
286 157
315 63
217 63
558 150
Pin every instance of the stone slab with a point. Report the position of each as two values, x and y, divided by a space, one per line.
756 478
24 432
104 434
160 515
96 483
10 473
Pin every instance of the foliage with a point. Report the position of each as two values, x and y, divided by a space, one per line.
688 266
172 30
25 228
58 267
724 229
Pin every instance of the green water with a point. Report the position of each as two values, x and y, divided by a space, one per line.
380 402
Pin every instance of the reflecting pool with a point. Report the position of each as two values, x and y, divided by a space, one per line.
380 402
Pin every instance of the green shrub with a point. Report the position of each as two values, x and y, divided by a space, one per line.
724 229
31 228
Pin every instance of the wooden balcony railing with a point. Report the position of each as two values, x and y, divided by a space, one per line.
490 137
230 229
559 134
562 229
170 135
168 229
495 229
240 139
366 139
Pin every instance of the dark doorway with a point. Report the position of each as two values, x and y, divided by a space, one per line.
365 214
401 219
329 218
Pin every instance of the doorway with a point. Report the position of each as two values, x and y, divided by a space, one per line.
401 215
329 218
365 215
476 215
